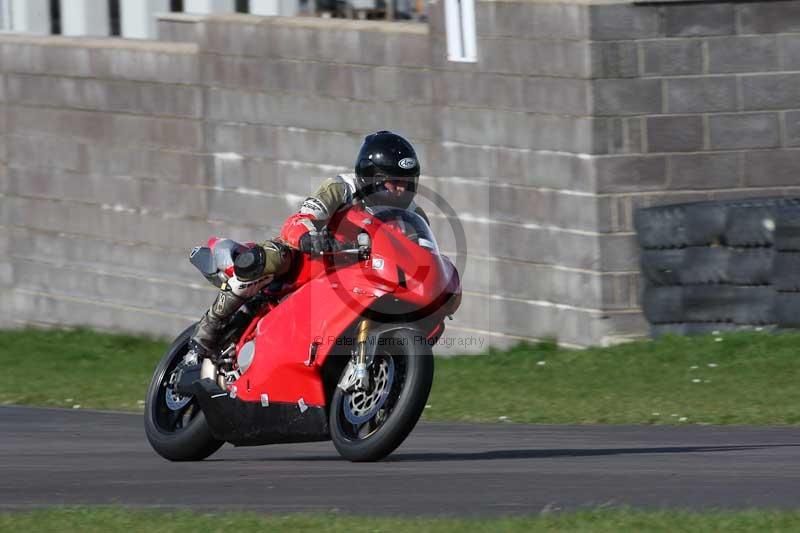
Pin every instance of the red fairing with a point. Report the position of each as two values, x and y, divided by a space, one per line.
430 279
331 296
314 313
295 227
453 289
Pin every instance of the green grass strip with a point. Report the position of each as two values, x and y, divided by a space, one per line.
743 378
110 520
76 368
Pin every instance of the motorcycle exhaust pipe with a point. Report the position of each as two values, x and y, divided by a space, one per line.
208 370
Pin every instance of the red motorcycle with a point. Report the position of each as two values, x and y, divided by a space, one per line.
339 349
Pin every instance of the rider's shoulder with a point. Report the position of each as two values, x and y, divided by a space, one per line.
348 179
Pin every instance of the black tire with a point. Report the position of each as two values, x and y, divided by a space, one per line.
704 265
663 267
787 229
668 305
691 328
680 225
754 306
706 223
403 406
750 266
750 222
703 328
709 303
181 434
786 271
750 226
787 310
738 222
685 266
661 226
707 265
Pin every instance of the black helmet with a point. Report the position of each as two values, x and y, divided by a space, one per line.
385 156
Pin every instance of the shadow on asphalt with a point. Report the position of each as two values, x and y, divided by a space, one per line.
546 454
533 454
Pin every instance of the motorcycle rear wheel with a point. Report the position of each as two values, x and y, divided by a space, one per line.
175 426
411 371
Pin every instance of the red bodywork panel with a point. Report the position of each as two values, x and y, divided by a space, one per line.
329 298
314 312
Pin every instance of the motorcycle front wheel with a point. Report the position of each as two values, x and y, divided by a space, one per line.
369 425
175 426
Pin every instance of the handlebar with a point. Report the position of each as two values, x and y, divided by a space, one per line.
362 247
345 251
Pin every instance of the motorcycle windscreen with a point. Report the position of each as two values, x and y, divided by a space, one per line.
410 225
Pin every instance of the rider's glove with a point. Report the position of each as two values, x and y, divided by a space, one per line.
315 243
295 227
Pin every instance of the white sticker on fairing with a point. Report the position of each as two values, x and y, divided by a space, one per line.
377 264
408 162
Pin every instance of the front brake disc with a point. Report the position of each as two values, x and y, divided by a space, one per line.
176 401
361 406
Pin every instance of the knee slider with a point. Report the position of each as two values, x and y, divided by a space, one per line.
249 265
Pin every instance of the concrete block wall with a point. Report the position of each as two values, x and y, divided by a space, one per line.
104 183
548 255
119 156
704 108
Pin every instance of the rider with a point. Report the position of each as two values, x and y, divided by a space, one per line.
386 174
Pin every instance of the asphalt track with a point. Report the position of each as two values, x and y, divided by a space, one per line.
54 457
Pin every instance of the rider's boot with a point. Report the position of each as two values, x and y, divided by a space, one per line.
208 334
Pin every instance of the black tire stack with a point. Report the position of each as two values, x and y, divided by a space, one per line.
720 266
786 267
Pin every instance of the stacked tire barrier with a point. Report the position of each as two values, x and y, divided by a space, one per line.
721 265
786 267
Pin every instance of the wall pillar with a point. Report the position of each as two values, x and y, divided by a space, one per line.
208 6
139 17
289 8
30 16
85 17
265 7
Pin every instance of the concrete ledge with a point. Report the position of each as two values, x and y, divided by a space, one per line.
302 22
608 2
572 2
180 17
139 45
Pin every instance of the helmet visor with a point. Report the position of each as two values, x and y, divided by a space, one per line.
390 190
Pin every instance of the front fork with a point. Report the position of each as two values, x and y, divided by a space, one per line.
356 376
